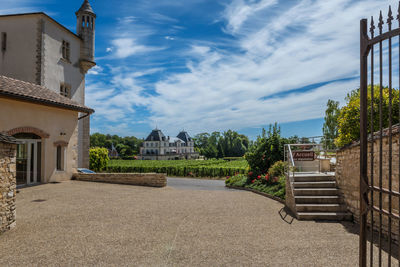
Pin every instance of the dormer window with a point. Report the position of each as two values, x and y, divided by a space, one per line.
65 90
66 50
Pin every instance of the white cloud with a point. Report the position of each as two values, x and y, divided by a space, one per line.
240 10
96 70
312 42
169 38
126 47
308 42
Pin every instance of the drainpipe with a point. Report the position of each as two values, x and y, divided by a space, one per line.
84 116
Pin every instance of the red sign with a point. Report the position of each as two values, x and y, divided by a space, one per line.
303 155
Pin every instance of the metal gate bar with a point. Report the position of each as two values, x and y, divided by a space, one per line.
367 184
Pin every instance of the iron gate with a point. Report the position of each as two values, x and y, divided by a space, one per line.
379 194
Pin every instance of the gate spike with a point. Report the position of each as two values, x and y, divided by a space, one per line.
372 29
380 24
398 13
390 17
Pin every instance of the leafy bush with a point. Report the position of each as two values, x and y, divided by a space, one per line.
349 116
278 169
267 150
237 180
184 168
98 158
275 188
263 183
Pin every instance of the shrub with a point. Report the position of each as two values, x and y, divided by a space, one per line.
278 169
267 150
276 187
349 116
237 180
98 158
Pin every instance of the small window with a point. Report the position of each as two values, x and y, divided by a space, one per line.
66 50
60 161
65 90
3 41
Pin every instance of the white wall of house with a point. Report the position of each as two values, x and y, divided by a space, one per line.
34 54
19 59
56 69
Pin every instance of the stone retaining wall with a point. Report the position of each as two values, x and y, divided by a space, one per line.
144 179
348 178
7 186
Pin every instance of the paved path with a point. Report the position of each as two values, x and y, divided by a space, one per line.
196 184
95 224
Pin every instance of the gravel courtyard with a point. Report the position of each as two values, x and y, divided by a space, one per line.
85 224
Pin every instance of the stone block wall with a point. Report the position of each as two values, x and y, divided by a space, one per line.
348 178
144 179
8 186
289 197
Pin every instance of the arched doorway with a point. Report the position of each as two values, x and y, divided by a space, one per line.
29 158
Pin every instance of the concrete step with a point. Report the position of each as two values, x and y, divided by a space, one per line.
316 191
320 208
331 216
314 178
323 184
318 199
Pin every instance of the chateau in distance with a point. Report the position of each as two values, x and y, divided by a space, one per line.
159 147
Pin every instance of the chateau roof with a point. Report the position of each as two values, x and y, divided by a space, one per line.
46 16
176 139
184 136
29 92
156 135
8 139
86 7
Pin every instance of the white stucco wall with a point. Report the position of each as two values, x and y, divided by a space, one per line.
26 35
57 70
19 59
51 120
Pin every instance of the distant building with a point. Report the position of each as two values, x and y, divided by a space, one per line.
159 147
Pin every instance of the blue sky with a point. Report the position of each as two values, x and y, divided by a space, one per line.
206 65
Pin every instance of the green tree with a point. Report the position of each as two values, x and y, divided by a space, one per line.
217 145
349 116
267 149
126 146
330 128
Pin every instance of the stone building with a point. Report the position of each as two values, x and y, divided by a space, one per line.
42 90
8 149
37 49
159 147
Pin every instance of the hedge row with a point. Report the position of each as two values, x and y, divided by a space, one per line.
199 171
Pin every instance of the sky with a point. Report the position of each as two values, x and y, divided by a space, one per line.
207 65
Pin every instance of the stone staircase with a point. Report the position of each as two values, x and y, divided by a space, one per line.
317 198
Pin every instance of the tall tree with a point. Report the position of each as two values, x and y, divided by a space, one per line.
330 128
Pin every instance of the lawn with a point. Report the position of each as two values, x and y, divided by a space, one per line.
185 168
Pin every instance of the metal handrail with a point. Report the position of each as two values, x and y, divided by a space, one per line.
291 156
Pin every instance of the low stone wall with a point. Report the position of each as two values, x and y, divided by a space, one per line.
348 178
144 179
289 197
8 186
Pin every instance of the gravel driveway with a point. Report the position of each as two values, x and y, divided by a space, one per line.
94 224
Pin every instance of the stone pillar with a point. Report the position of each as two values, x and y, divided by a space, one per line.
8 185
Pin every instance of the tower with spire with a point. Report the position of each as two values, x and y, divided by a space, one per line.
86 24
